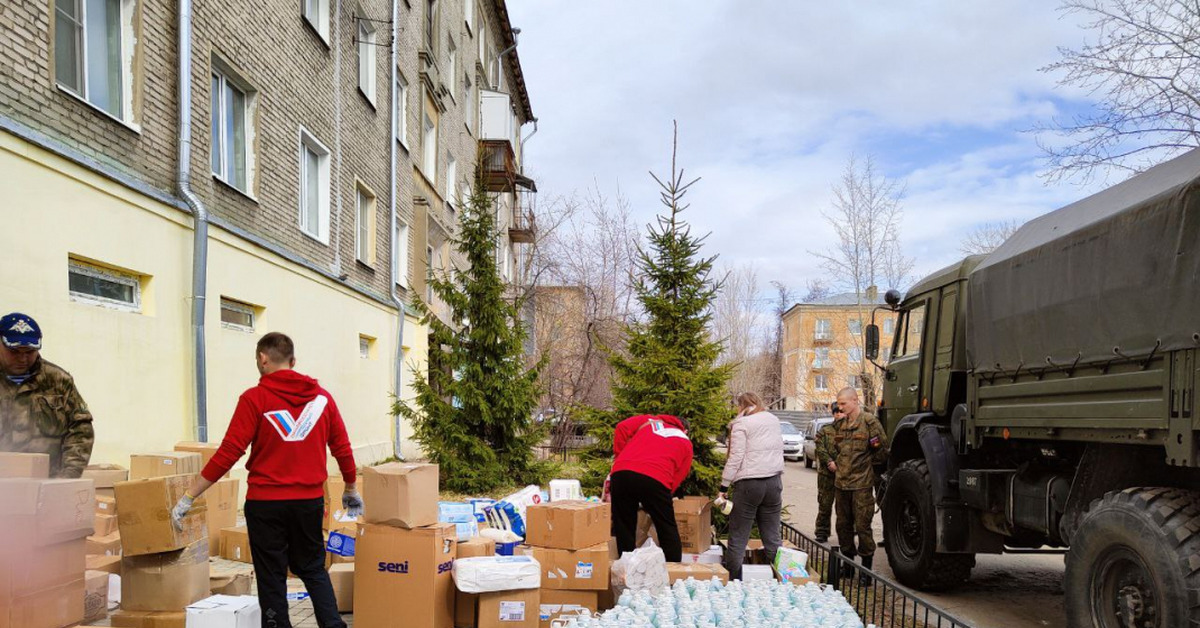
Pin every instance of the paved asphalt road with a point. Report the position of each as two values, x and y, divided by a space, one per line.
1008 591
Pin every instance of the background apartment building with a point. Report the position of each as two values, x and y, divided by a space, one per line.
313 123
823 348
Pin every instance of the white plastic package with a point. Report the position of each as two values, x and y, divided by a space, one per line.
642 569
484 574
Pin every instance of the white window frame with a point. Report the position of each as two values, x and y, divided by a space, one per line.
128 45
234 305
451 65
451 181
852 323
470 102
823 329
820 358
429 274
107 274
821 381
311 143
469 15
222 173
319 21
429 136
853 381
367 61
365 346
400 110
364 232
889 326
400 264
852 352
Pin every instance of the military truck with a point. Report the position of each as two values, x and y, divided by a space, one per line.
1045 396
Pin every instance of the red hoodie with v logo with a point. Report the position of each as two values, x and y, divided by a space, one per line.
288 421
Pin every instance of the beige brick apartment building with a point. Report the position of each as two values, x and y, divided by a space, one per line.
330 143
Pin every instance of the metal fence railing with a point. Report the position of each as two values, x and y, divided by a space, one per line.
878 600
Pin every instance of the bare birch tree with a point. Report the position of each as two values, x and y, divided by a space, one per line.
783 301
744 329
986 237
1143 67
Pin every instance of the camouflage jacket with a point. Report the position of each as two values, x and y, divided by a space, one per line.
46 415
824 447
858 444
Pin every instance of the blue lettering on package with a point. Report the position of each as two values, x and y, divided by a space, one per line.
340 544
394 567
446 566
296 597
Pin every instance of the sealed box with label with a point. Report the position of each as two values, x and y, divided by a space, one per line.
105 475
145 515
225 611
166 581
585 569
108 545
399 494
222 502
19 465
95 600
46 511
205 450
143 619
157 465
403 576
106 505
568 525
342 577
555 603
509 609
235 544
699 571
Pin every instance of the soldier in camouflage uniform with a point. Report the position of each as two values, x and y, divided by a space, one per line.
825 489
41 412
859 444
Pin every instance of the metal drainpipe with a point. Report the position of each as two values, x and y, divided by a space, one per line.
396 449
200 214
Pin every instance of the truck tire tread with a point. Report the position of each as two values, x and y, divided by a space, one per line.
945 570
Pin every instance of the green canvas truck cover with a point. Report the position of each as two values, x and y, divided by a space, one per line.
1114 273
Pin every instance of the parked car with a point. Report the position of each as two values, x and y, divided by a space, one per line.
810 440
793 441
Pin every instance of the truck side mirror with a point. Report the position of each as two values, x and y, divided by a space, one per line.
872 342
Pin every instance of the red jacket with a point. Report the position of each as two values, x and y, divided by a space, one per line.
654 446
287 420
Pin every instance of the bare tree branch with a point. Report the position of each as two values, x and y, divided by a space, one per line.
986 237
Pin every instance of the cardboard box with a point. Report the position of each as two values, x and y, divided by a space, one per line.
585 569
398 494
222 503
46 511
568 525
509 609
556 603
141 619
229 583
225 611
144 466
466 604
57 606
608 599
342 577
108 545
476 546
693 517
145 516
107 564
104 525
18 465
699 571
105 475
106 505
165 581
405 565
27 570
95 600
206 451
235 544
335 517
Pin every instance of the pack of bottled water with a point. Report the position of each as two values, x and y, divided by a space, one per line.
711 604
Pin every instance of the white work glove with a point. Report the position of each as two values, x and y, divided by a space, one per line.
181 510
353 504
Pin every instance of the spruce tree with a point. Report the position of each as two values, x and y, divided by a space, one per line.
473 416
670 365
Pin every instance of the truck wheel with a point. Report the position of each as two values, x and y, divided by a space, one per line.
910 532
1135 561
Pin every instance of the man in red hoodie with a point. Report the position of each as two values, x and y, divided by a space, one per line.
653 457
287 420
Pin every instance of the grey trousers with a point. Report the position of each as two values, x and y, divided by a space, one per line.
759 501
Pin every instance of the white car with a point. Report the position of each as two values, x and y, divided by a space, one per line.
810 440
793 441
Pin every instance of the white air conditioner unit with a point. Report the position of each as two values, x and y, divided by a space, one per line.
495 111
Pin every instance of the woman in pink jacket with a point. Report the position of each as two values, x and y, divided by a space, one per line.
754 469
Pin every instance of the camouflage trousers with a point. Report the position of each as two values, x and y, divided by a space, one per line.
855 513
825 496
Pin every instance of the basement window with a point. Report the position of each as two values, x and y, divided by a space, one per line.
106 287
366 346
236 315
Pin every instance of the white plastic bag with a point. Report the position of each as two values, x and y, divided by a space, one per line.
644 568
484 574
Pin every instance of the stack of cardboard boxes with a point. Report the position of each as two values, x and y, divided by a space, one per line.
404 556
222 497
693 517
104 544
572 542
44 524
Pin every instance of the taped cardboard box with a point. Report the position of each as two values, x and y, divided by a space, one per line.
142 619
104 525
335 516
693 517
18 465
106 505
95 599
26 570
342 577
465 604
107 545
399 494
569 525
145 516
229 583
555 603
49 608
166 581
43 512
699 571
509 609
222 504
205 450
225 611
585 569
107 564
157 465
235 544
405 565
105 475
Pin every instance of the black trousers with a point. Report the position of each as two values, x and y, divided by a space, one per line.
629 491
287 534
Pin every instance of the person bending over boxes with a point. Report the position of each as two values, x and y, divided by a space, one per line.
653 455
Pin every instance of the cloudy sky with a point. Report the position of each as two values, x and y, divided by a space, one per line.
772 98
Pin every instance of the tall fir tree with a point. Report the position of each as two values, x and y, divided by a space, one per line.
473 416
670 364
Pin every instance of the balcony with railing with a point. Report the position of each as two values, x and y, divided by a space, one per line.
522 228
